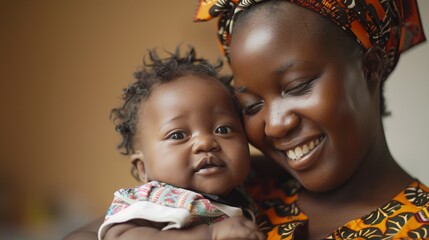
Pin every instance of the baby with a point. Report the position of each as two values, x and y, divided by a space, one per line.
182 128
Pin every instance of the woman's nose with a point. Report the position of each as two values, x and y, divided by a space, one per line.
205 143
279 120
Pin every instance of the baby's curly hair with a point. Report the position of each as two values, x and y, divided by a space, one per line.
158 71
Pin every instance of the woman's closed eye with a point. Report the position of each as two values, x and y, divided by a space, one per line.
252 107
300 89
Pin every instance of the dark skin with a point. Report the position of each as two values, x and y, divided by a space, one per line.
195 142
307 87
89 231
232 228
299 82
198 121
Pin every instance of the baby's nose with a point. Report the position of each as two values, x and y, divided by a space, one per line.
205 143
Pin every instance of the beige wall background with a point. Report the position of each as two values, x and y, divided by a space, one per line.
62 67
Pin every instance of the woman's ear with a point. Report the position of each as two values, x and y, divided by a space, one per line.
138 166
372 66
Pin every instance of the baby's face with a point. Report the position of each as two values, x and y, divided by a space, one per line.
191 136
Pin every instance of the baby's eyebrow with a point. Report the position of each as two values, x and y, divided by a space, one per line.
240 89
170 120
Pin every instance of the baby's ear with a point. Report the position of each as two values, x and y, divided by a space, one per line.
136 160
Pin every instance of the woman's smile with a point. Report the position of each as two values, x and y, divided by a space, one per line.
304 155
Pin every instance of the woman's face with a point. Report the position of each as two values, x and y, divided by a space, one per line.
306 102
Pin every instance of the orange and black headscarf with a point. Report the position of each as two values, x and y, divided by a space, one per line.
393 25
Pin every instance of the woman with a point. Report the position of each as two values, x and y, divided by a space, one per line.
309 76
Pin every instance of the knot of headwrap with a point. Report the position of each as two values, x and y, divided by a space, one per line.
393 25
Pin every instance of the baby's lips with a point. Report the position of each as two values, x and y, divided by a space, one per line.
209 160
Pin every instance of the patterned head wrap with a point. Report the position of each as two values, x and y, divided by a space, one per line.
393 25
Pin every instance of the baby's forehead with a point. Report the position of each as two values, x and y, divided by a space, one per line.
188 88
196 81
187 98
198 77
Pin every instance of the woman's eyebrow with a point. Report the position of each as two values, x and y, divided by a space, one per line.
290 64
286 66
239 89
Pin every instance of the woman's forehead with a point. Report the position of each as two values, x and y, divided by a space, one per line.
287 18
292 37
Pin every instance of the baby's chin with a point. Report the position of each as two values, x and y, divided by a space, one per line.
217 192
219 186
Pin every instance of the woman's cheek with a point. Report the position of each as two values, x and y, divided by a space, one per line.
254 130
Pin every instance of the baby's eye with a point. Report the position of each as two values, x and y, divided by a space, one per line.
177 135
223 130
253 107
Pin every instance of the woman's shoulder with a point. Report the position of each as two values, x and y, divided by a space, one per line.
406 216
413 198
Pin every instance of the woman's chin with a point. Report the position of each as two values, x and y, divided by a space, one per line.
319 183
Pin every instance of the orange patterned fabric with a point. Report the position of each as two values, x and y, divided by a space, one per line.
394 25
406 216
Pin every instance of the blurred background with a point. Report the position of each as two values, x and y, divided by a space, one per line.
63 65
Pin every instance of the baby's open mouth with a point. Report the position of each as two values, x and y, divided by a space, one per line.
303 149
208 162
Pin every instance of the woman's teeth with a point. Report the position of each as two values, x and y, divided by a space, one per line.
302 150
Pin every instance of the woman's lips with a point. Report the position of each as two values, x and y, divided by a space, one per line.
304 155
209 165
300 151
